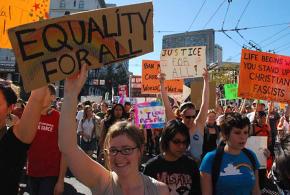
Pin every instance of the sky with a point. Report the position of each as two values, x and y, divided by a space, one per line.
178 16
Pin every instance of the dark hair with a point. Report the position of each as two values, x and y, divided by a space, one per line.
127 103
9 94
281 166
171 129
232 120
124 128
261 114
52 89
185 106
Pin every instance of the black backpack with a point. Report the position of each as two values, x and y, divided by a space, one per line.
215 171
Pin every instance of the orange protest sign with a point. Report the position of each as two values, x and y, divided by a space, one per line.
264 76
150 81
17 12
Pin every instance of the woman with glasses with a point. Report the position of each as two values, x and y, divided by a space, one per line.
123 148
172 166
193 121
15 141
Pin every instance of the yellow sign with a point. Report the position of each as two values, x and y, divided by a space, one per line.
51 50
17 12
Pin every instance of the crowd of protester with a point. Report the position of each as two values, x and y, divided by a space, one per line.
199 150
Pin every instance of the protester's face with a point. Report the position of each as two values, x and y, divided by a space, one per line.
48 99
127 108
118 112
4 109
188 117
89 112
238 138
177 146
122 164
211 117
104 108
261 120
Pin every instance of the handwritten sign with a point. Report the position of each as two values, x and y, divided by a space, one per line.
183 62
264 76
231 91
17 12
149 115
51 50
257 144
196 93
151 83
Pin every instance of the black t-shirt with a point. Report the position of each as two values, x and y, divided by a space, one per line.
12 159
181 176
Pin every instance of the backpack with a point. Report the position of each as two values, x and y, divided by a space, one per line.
215 171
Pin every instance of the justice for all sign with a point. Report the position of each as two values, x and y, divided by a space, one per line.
264 76
183 62
51 50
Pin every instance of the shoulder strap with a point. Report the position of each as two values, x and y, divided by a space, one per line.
251 157
216 165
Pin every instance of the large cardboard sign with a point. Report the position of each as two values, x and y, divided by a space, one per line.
151 83
149 115
264 76
183 62
231 91
51 50
17 12
258 144
196 93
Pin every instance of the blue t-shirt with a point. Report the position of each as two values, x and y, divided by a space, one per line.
236 174
196 142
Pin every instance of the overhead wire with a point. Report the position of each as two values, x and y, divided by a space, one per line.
214 14
246 7
275 34
196 15
281 37
228 7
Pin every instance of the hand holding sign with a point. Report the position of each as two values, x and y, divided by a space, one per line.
74 83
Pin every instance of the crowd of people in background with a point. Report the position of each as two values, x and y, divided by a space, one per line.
199 150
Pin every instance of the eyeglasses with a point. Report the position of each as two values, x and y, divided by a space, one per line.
189 117
124 151
178 142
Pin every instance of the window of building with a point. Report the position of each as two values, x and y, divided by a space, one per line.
75 3
82 4
62 4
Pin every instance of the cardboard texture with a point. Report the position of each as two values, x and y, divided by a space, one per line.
196 93
151 83
51 50
264 76
17 12
183 62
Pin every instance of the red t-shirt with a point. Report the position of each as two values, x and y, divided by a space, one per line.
43 155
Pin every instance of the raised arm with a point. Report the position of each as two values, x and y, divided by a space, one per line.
26 128
168 111
201 117
85 169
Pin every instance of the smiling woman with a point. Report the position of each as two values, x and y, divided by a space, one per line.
123 150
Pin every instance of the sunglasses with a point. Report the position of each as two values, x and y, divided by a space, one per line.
124 151
189 117
178 142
